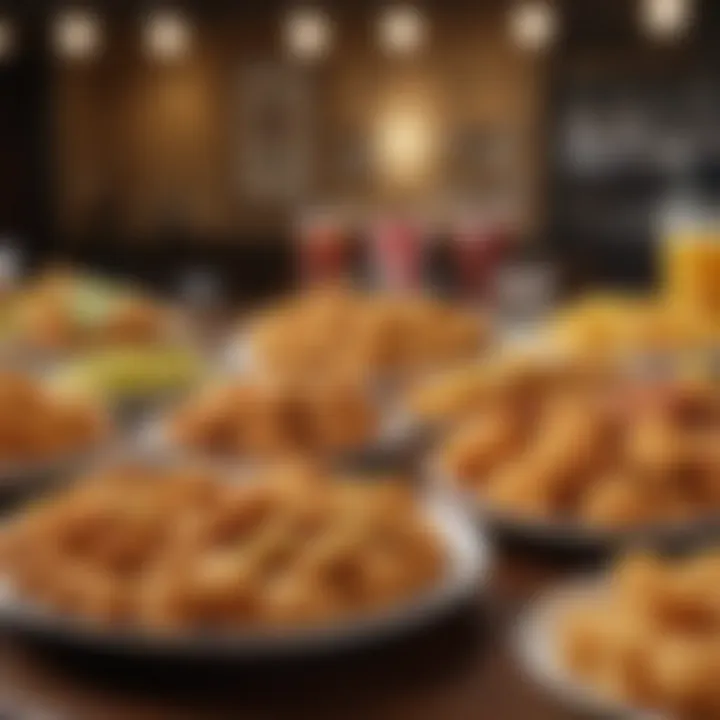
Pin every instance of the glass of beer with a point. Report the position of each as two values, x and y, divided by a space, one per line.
691 268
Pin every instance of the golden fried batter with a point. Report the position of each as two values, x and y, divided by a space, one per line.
652 638
167 548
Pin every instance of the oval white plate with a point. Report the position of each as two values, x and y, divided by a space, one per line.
468 566
534 641
566 534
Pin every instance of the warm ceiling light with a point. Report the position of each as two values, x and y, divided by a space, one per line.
404 144
307 34
666 18
8 39
533 25
77 35
402 30
167 35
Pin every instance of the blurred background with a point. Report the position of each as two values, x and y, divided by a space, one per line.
242 145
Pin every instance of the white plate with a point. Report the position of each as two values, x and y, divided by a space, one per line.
468 566
576 535
535 642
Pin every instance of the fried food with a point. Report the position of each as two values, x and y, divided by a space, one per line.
652 637
592 448
481 444
373 337
63 311
515 380
37 423
616 324
262 417
168 549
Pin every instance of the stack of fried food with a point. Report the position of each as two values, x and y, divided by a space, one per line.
39 424
162 549
262 416
372 336
591 447
652 638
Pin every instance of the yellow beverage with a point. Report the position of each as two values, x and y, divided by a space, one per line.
691 269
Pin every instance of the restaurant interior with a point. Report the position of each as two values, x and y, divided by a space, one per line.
359 359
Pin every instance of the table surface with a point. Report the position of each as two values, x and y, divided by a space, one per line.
461 668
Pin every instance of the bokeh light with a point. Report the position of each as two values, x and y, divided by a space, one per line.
77 35
666 18
8 39
307 34
402 30
404 144
167 35
533 25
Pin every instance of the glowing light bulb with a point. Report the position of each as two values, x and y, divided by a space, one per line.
533 25
666 18
402 30
77 35
307 34
167 35
404 144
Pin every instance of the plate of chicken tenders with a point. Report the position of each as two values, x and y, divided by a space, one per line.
640 640
580 454
154 557
241 419
374 337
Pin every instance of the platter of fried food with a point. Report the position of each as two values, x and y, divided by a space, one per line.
246 418
152 557
375 337
642 641
62 312
584 453
43 430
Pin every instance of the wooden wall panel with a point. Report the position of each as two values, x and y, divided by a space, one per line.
141 146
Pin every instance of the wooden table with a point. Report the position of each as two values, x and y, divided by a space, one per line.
460 669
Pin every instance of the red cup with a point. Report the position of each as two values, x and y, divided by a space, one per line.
478 250
323 253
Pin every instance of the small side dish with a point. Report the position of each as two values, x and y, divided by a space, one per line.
164 550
